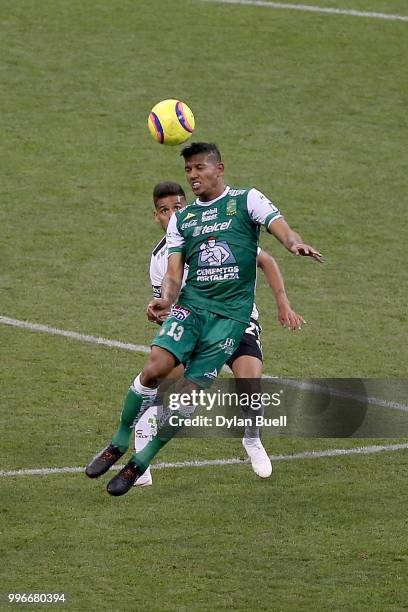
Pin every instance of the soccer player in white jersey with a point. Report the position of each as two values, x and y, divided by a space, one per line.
246 361
205 320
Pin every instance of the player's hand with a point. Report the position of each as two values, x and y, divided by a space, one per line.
305 250
158 310
289 318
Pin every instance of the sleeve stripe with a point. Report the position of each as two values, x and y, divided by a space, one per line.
272 217
175 249
159 246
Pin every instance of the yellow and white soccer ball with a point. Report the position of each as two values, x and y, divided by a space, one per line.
171 122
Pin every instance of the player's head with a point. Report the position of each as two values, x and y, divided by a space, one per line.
204 169
168 197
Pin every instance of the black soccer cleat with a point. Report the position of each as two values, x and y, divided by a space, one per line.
124 480
103 461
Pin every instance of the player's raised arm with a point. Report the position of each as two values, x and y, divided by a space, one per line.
286 315
291 240
263 211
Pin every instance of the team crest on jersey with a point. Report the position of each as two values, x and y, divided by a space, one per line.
231 207
188 216
179 312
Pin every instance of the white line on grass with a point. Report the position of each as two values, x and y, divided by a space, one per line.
128 346
314 9
331 452
140 348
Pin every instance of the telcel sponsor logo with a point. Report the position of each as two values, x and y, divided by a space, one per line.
210 229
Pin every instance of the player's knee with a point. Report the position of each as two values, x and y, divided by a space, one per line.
149 377
160 364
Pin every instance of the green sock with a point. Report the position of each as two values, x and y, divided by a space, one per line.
131 408
166 432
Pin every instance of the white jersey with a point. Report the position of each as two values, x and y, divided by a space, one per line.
158 268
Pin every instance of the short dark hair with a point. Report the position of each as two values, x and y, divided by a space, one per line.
197 148
167 188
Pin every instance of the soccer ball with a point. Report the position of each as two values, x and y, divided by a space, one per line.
171 122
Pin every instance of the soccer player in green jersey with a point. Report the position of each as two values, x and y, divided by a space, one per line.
217 237
246 361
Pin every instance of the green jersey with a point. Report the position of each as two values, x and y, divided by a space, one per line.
219 240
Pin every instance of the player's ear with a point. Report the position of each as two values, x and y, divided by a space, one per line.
221 167
156 217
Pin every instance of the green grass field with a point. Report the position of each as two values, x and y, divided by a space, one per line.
311 109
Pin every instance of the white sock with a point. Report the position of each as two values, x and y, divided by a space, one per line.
137 387
249 440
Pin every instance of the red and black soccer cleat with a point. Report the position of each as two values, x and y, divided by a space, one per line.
102 462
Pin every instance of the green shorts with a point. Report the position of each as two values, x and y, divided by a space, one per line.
201 339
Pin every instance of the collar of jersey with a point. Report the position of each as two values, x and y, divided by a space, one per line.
224 193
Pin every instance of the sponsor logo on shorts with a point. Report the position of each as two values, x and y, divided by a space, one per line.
179 313
212 374
228 346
